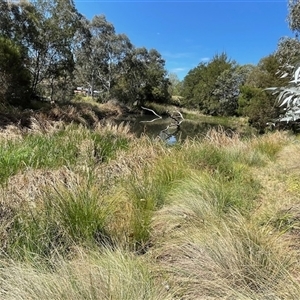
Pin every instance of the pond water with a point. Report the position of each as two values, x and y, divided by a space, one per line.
142 125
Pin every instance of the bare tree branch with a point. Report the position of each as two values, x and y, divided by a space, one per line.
158 116
177 118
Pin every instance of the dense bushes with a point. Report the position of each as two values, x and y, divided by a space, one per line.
14 77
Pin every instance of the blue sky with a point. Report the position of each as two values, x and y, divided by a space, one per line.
189 32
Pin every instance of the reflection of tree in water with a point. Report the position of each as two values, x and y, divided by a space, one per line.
168 134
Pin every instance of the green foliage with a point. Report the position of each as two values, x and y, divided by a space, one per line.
14 77
227 88
62 48
211 87
175 87
45 31
69 215
254 102
58 149
109 63
294 15
257 105
288 56
288 98
143 78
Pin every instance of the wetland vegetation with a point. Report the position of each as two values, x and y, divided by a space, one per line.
96 203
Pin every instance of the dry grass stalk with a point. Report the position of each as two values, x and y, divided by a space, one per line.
221 137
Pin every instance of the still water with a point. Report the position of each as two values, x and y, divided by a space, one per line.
142 125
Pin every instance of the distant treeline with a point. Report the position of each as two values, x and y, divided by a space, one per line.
48 49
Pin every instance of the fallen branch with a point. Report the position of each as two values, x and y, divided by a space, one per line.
178 119
158 116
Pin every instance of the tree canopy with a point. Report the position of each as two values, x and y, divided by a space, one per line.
61 49
213 87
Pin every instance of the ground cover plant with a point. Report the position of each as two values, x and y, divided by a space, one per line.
96 213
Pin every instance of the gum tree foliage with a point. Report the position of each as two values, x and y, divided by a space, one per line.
99 59
227 88
288 97
175 84
254 102
142 77
45 30
52 50
58 45
294 15
110 64
288 53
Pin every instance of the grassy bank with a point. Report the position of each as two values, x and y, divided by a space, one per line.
99 214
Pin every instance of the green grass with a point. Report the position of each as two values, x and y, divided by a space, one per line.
148 191
70 215
117 217
62 148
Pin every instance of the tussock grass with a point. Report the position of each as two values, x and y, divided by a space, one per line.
65 216
230 259
62 147
146 189
105 275
270 144
95 213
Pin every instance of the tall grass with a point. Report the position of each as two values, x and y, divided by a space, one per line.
63 147
115 217
229 258
103 275
66 216
147 191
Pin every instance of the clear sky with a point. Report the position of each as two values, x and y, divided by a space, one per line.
189 32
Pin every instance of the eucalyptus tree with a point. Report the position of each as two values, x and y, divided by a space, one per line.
227 88
5 19
52 51
16 31
45 30
175 84
99 59
143 77
294 15
288 53
254 102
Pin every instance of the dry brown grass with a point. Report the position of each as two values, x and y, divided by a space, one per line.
221 137
107 275
254 257
195 250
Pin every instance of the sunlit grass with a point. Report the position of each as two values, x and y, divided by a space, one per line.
106 275
63 147
229 258
65 216
104 215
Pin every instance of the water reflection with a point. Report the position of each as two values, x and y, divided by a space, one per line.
170 134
